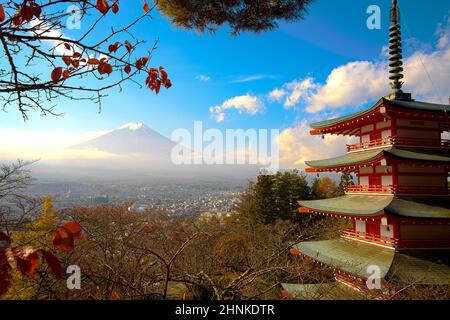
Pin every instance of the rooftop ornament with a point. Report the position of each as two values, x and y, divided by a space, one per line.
396 57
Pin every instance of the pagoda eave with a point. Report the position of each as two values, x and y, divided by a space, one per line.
355 259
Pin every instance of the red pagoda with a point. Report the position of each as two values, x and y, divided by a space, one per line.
400 207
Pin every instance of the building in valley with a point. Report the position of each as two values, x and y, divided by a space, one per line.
399 208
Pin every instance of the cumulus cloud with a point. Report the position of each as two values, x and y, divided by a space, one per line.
247 104
427 76
296 146
46 29
277 95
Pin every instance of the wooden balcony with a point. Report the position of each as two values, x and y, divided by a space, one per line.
391 141
399 190
376 239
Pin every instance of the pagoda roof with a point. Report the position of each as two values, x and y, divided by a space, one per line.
372 206
366 157
322 291
354 257
413 105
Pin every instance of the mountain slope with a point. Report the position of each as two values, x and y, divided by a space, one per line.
132 138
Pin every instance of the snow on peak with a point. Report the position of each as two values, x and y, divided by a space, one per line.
132 126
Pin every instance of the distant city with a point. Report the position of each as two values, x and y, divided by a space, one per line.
175 198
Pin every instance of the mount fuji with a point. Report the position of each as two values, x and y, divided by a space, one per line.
131 139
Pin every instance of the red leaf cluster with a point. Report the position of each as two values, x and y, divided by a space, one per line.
26 12
2 13
103 6
66 235
26 259
157 78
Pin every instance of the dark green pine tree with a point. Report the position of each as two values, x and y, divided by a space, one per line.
240 15
283 194
264 210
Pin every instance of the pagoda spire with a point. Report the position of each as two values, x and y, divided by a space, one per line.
396 56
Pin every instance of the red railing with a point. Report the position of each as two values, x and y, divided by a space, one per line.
413 190
370 189
394 243
351 234
444 143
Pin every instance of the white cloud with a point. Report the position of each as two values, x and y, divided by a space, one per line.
247 104
357 83
254 78
203 77
44 28
296 146
298 90
277 95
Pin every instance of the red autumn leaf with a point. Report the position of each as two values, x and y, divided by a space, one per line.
158 86
67 60
144 60
93 61
74 228
102 6
77 55
17 20
113 47
26 263
63 240
115 6
66 74
146 7
139 64
36 9
127 69
56 74
163 74
128 46
67 46
167 84
105 68
76 63
2 13
27 13
53 262
294 251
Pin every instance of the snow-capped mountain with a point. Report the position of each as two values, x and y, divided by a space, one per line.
131 139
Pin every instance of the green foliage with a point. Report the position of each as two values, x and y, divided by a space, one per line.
346 180
240 15
273 197
324 188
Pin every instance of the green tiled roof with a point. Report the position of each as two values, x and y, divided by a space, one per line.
356 257
370 206
416 105
321 291
356 158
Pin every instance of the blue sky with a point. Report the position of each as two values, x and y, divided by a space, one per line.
333 34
